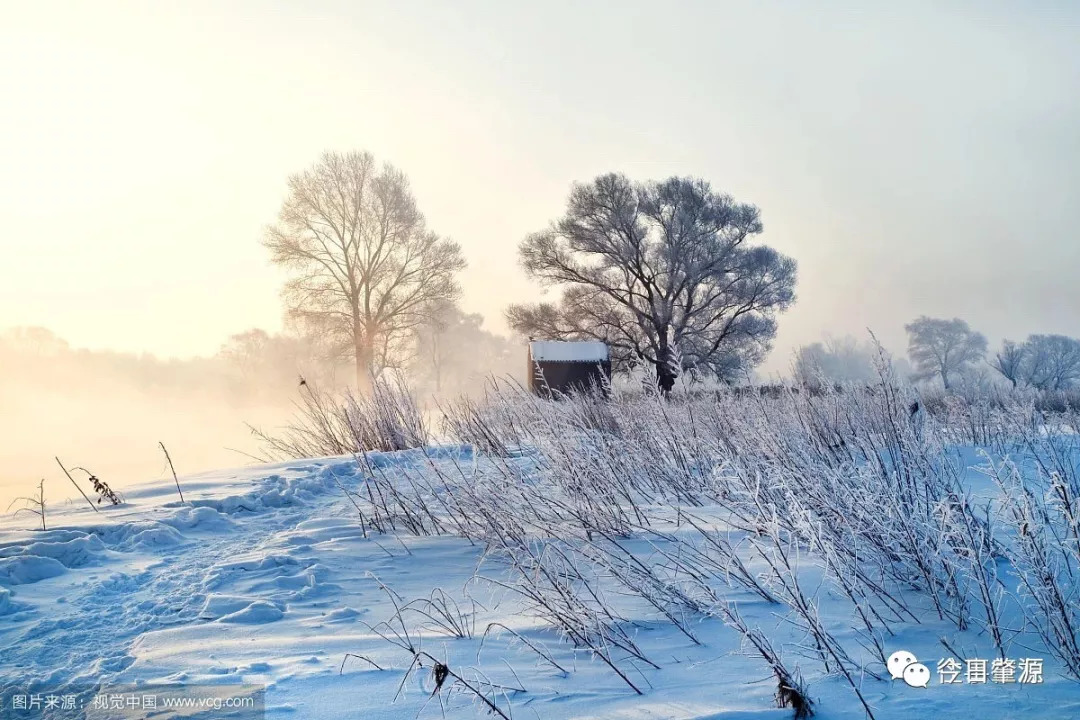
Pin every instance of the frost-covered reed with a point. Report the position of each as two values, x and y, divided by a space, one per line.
687 501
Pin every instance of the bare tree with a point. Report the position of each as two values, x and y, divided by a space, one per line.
661 271
365 268
1011 361
1053 361
941 348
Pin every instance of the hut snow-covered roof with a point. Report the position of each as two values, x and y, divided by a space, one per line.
589 351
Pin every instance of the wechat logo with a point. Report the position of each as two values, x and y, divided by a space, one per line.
904 666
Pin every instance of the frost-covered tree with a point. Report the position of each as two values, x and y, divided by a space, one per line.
365 268
1046 362
1053 362
664 272
1011 361
943 348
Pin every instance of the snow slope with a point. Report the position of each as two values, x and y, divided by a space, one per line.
265 576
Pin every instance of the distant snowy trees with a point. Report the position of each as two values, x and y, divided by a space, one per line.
943 348
836 360
365 269
949 349
269 364
453 353
664 272
1045 362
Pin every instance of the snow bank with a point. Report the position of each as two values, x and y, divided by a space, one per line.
203 518
257 613
24 569
77 552
218 606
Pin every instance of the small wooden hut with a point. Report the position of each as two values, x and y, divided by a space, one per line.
560 367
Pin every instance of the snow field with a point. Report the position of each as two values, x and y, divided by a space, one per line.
589 554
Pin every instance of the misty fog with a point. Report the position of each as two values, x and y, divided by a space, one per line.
107 411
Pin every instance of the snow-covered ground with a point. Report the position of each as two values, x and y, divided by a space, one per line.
265 576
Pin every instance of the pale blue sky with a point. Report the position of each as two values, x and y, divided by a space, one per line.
914 159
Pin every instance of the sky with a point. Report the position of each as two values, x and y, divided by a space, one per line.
913 158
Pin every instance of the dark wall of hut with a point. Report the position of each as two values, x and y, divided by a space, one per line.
564 377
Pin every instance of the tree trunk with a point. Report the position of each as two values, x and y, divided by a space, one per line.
362 348
438 364
665 374
665 379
